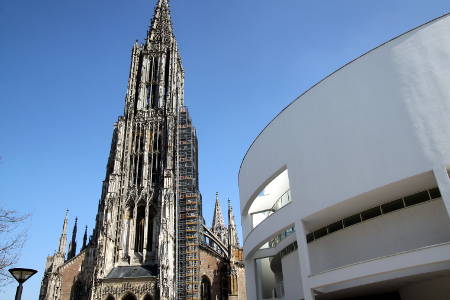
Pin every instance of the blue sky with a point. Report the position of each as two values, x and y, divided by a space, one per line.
63 75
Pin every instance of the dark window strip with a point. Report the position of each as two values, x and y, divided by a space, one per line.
375 212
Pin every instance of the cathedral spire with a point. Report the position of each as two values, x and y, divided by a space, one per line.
73 243
63 238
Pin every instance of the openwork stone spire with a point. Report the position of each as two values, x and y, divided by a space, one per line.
161 25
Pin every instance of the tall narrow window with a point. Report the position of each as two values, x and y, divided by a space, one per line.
138 80
166 75
205 288
155 84
150 82
140 224
150 232
127 223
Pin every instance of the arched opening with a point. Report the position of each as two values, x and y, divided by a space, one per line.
129 296
147 297
140 225
205 288
78 291
110 297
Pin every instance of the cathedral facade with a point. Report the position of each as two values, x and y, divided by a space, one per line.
150 240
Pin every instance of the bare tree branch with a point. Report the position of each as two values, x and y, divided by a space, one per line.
11 241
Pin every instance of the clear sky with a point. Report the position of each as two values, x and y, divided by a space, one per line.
63 75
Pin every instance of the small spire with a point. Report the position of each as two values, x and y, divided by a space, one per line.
63 238
218 225
84 238
73 243
233 237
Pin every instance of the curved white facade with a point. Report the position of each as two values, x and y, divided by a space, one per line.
358 163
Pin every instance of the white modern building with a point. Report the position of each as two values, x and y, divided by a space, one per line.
346 193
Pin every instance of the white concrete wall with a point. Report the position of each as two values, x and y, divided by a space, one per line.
292 276
265 278
360 128
402 230
381 119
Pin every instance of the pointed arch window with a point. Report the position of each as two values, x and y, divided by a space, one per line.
128 227
153 84
205 288
129 296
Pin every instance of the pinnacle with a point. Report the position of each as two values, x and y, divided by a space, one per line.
218 220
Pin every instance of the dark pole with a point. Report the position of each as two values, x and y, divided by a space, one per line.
19 291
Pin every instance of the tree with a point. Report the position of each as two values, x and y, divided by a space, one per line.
11 241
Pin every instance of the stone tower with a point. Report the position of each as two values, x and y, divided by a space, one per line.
135 230
149 240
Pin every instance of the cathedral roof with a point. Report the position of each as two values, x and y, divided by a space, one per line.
132 272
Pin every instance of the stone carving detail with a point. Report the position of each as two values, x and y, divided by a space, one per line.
119 289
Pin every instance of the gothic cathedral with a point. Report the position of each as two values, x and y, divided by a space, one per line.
150 240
